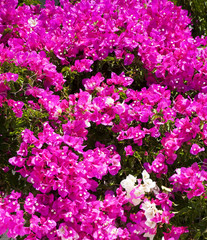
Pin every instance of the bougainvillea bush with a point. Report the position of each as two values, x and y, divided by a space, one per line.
103 121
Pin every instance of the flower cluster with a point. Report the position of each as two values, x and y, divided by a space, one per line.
189 180
149 216
82 124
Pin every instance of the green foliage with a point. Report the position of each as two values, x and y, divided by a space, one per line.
12 126
10 139
28 2
106 66
191 213
197 10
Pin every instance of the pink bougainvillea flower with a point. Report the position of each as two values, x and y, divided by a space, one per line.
195 149
82 65
129 151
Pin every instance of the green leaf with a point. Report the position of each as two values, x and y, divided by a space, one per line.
109 59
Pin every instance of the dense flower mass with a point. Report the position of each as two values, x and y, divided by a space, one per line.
104 121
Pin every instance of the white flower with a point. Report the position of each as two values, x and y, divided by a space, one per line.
149 213
150 224
149 185
32 22
150 209
139 191
110 101
128 183
87 123
145 175
132 178
136 201
178 170
150 236
146 205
